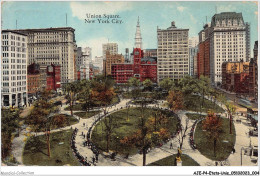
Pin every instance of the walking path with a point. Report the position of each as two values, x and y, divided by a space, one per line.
242 140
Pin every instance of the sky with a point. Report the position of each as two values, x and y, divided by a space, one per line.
187 15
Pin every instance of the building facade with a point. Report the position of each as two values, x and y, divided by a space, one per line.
141 68
98 62
150 52
235 77
193 42
84 66
112 48
192 53
48 46
53 77
33 79
112 59
253 74
228 39
172 53
14 69
204 52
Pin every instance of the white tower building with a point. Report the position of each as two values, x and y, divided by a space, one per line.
14 68
138 37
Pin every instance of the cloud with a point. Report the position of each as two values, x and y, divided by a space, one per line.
226 8
193 19
80 9
181 8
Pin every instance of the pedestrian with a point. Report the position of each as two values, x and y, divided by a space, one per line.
83 124
97 157
93 160
171 146
82 133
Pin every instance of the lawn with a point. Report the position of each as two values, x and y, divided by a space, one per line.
124 127
86 115
194 116
193 104
169 161
224 145
35 151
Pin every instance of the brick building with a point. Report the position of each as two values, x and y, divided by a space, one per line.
53 77
235 77
204 52
112 59
33 79
141 68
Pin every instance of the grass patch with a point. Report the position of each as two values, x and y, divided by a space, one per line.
192 103
169 161
86 115
126 127
223 148
35 150
194 116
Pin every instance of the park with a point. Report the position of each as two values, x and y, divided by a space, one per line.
98 123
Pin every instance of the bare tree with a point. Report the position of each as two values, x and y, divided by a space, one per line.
182 131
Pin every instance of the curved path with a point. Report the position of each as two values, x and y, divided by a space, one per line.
136 160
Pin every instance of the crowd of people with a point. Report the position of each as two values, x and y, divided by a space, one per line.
193 146
81 159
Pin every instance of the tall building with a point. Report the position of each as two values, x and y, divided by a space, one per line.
111 47
192 54
111 59
248 37
253 74
14 68
138 37
79 58
193 42
172 53
204 51
228 39
48 46
98 62
85 60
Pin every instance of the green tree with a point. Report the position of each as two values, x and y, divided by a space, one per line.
40 117
147 84
72 89
166 84
135 84
85 94
9 124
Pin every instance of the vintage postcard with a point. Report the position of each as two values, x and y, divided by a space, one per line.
137 83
